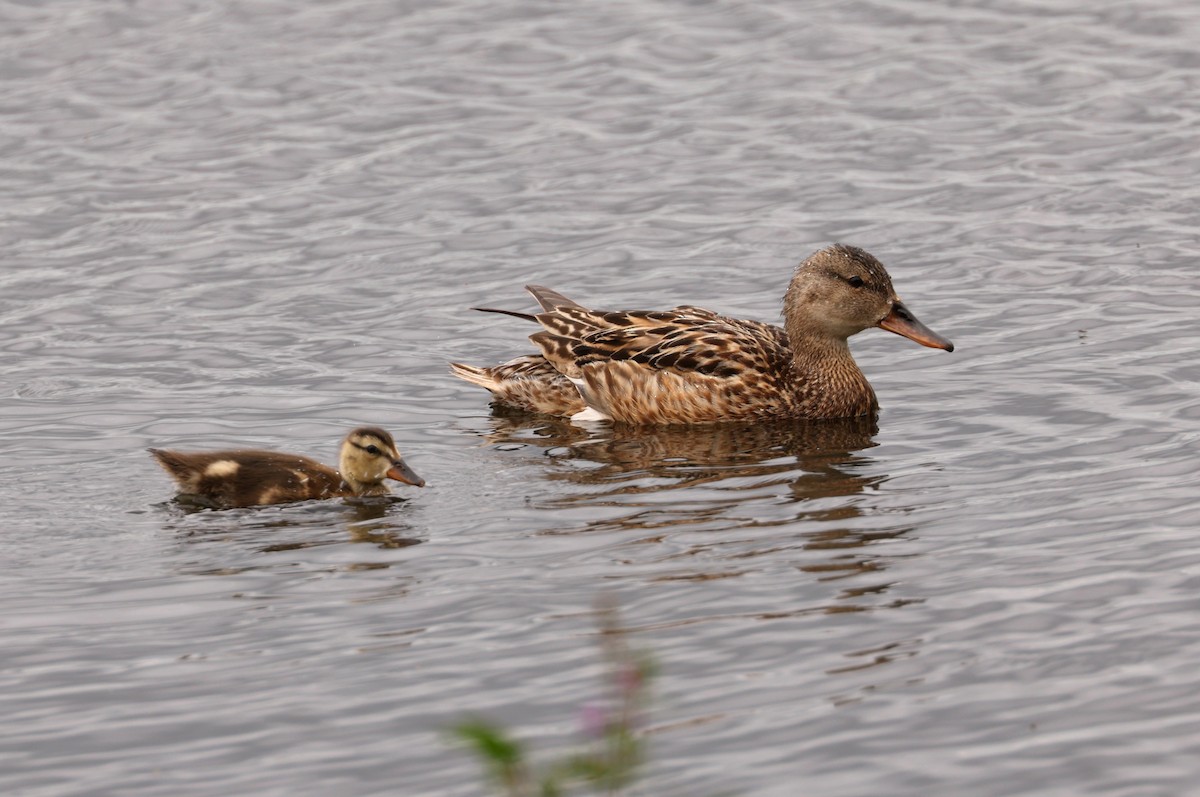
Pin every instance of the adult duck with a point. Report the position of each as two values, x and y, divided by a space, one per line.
246 477
689 365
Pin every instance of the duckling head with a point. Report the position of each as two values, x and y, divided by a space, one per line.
841 290
369 456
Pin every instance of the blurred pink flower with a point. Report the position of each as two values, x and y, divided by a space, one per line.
594 720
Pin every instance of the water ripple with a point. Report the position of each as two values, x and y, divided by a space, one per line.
257 223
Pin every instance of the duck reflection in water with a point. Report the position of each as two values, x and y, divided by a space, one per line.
797 482
694 455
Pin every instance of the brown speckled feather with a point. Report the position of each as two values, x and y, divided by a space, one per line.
529 384
691 365
709 368
247 477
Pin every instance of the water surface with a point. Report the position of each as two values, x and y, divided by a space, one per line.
263 223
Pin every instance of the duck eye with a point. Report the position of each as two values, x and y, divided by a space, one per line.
855 281
373 450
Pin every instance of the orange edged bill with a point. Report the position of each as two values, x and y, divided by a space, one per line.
402 473
901 321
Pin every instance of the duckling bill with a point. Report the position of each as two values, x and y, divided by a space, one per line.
690 365
245 477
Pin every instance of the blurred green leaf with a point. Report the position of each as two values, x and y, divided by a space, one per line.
490 741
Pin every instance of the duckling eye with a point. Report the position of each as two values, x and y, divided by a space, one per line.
855 281
373 450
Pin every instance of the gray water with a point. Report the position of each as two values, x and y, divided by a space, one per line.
261 223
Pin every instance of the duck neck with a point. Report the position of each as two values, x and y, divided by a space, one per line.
828 380
363 488
351 485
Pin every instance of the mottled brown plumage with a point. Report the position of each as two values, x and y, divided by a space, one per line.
528 383
691 365
248 477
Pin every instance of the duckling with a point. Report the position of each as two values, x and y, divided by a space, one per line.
249 478
689 365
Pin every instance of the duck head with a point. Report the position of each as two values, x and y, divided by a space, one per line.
369 456
841 290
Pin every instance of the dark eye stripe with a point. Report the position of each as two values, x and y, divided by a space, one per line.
371 449
855 281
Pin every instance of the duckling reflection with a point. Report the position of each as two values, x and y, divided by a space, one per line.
377 520
370 521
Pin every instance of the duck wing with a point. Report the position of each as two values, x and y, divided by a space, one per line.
691 342
567 324
686 365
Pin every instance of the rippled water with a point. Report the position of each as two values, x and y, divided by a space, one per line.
264 222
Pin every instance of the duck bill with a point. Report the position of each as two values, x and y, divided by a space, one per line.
901 321
402 473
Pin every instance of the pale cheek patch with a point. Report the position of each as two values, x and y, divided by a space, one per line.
222 467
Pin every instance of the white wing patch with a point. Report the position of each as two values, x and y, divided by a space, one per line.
590 414
222 468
